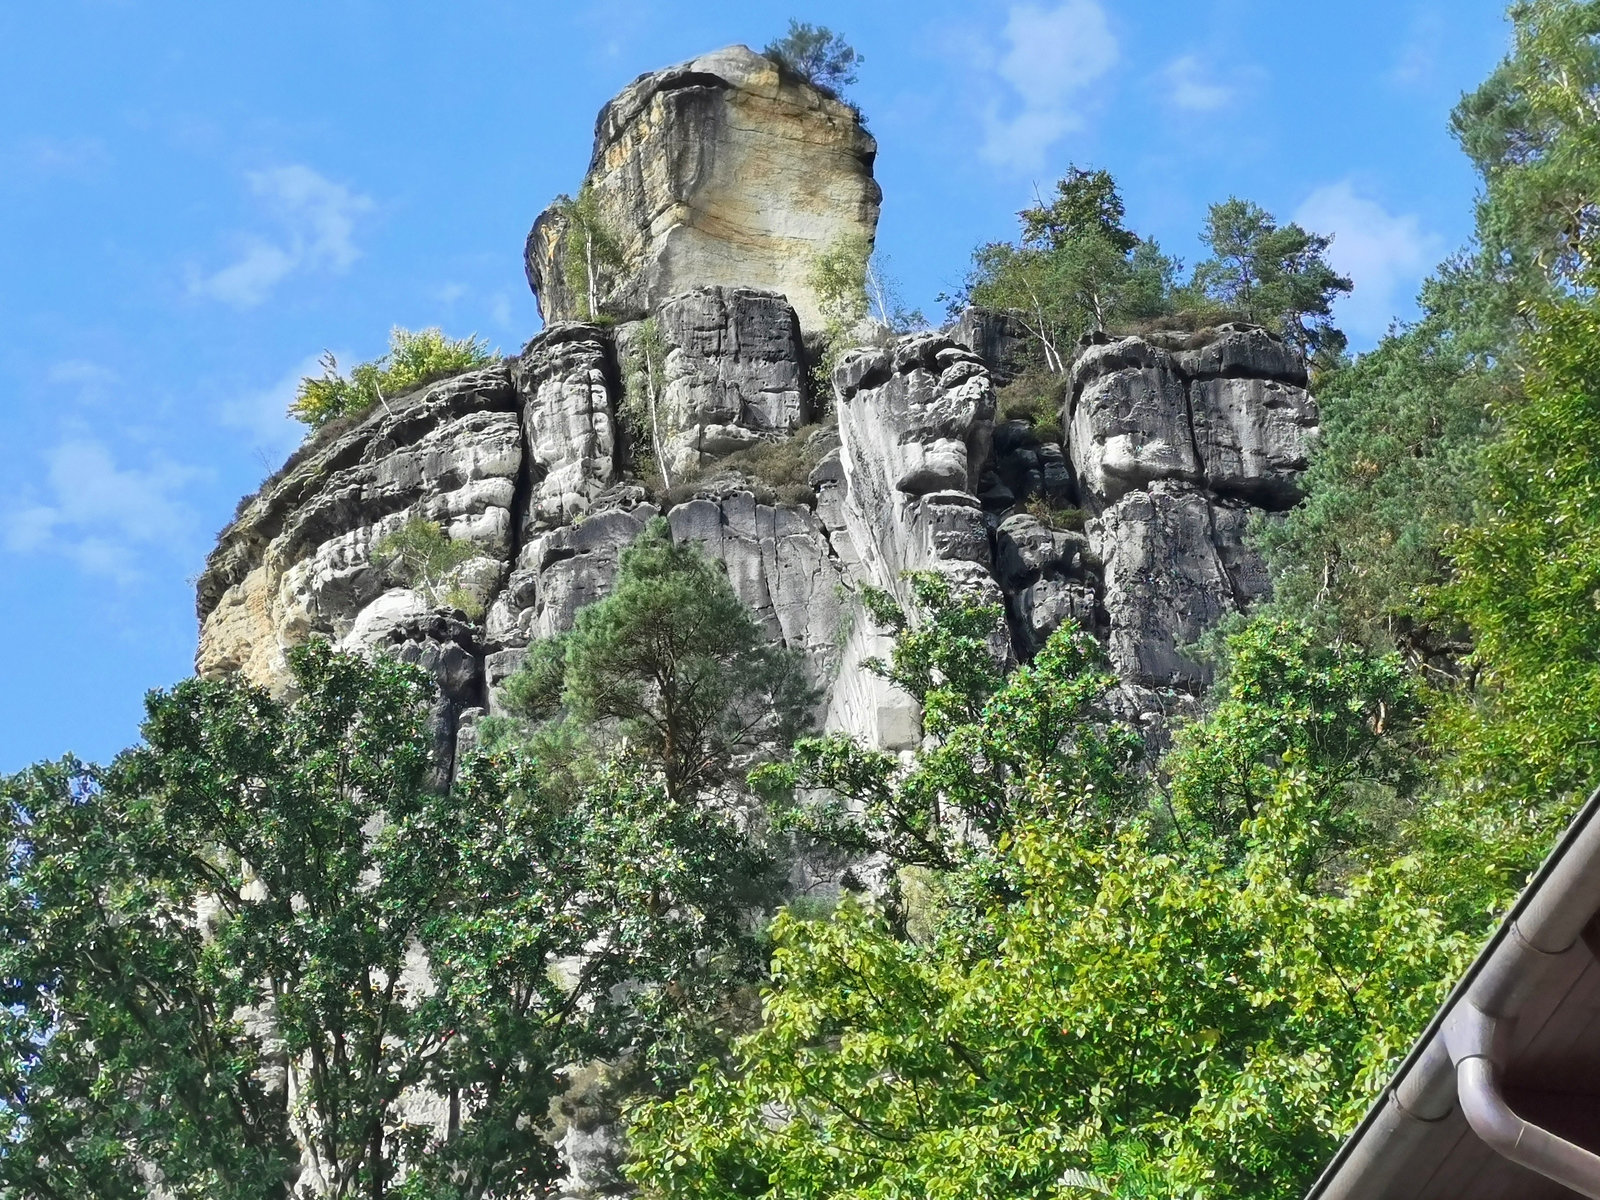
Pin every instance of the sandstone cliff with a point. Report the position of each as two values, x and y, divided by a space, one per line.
1170 450
721 170
725 177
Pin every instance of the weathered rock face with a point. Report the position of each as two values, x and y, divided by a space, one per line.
915 421
734 373
296 563
999 338
567 377
720 170
1176 442
1174 446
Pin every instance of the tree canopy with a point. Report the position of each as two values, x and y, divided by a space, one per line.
673 662
817 54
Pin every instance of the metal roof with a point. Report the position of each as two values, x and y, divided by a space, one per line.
1502 1090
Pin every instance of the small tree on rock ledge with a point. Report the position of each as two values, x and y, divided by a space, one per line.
817 54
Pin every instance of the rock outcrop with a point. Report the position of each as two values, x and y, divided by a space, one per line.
1175 444
1176 441
722 170
733 373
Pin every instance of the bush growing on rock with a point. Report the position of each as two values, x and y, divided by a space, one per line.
426 558
414 358
816 54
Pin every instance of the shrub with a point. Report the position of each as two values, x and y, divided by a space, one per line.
1035 396
778 472
414 358
423 556
1065 517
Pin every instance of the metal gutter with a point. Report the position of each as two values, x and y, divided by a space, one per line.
1460 1053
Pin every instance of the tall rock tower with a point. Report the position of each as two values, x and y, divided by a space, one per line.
719 171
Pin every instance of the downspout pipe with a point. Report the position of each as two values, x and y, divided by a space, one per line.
1476 1041
1459 1056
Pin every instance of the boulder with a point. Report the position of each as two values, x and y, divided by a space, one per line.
721 170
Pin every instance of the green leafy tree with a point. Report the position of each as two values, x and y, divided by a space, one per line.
263 931
1533 131
816 54
414 358
673 662
1077 268
1395 470
1342 719
1525 580
424 557
1275 275
1000 750
1142 1020
591 249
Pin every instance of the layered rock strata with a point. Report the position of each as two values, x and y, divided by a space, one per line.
1174 446
721 170
1176 443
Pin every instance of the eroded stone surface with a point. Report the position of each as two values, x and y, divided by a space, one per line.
297 562
567 379
718 171
915 421
734 373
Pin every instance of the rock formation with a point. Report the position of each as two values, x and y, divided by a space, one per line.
722 178
721 170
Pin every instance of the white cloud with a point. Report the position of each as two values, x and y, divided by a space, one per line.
1050 59
1191 89
105 517
1385 254
1416 62
317 220
262 415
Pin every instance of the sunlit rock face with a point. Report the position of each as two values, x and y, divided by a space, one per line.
718 171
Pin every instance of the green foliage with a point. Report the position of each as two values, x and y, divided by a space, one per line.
1038 398
1340 719
1526 581
1001 750
219 941
1067 517
422 556
1395 470
1274 275
643 376
414 358
591 251
1533 131
1076 270
1143 1023
673 662
816 54
778 471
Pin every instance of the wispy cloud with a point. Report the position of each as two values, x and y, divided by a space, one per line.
1416 61
262 415
37 159
90 381
1385 254
106 517
316 221
1191 87
1048 61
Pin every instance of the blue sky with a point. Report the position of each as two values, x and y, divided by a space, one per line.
197 199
